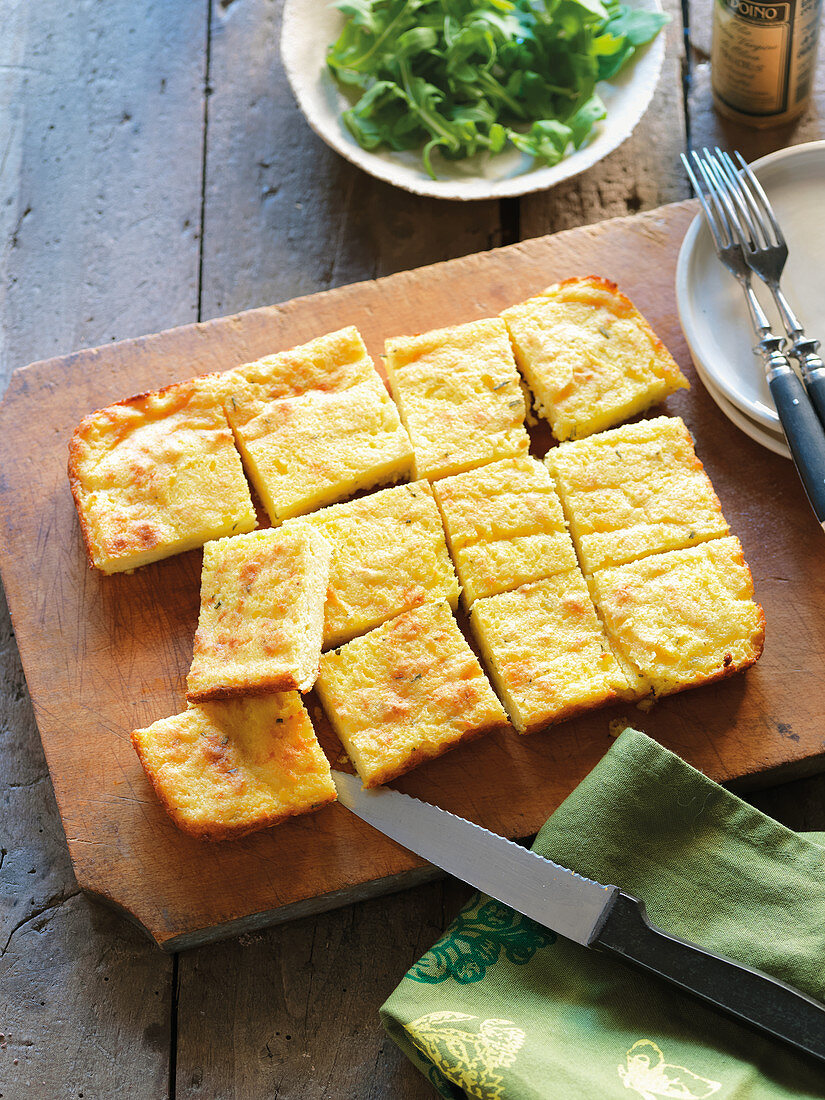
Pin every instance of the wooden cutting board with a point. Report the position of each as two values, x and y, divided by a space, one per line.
104 655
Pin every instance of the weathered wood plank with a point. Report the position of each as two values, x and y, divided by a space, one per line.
100 171
709 128
641 174
303 1000
285 215
101 111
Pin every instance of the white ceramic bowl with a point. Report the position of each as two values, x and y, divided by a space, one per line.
309 26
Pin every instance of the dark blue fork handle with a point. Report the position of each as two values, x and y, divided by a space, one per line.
813 372
804 433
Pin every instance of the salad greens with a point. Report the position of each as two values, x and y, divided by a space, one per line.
462 76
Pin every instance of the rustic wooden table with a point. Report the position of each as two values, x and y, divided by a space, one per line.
154 170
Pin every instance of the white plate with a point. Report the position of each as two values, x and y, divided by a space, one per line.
309 26
711 304
774 441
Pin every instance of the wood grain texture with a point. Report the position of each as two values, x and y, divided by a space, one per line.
291 989
105 654
284 214
641 174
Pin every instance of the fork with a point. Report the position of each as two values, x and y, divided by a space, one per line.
766 252
803 431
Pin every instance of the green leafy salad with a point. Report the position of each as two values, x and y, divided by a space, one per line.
463 76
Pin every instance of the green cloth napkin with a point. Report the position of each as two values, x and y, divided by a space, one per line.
501 1008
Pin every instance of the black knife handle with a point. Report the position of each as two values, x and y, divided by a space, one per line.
751 996
804 432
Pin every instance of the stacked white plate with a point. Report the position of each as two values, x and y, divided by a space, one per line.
712 307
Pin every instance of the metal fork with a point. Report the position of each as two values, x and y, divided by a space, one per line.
766 252
803 431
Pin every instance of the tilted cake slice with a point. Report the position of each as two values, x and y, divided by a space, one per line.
505 526
388 556
682 618
406 692
155 475
315 425
589 356
262 614
460 397
225 769
547 652
635 490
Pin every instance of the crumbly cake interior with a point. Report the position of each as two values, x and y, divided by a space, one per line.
459 395
388 556
156 475
228 768
315 425
547 652
406 692
589 357
684 617
635 490
261 616
505 526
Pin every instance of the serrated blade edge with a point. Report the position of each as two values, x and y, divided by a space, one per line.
554 896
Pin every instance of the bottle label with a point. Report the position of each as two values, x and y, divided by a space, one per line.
763 54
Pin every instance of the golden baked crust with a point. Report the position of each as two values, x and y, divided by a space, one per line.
546 651
406 692
635 490
262 614
388 556
225 769
315 425
505 526
459 395
157 474
589 356
683 618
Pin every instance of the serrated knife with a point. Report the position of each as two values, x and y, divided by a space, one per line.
601 917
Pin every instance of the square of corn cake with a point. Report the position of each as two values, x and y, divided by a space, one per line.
505 526
262 614
406 692
547 652
635 490
460 397
388 556
315 424
155 475
682 618
589 356
228 768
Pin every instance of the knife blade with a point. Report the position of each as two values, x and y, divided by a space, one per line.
604 918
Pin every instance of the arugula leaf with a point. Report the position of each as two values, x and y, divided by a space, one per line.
460 76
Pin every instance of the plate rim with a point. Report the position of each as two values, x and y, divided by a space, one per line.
767 419
532 180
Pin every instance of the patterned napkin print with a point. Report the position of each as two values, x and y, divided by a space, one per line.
501 1008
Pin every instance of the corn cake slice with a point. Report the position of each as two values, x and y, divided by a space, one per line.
459 394
228 768
547 652
155 475
589 356
262 614
388 556
315 425
505 526
682 618
635 490
406 692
